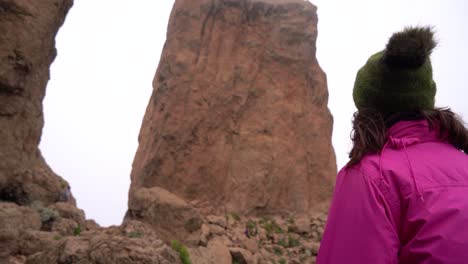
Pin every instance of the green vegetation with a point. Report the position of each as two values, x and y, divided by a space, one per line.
182 250
271 226
134 234
63 184
251 224
77 231
264 220
46 214
283 242
251 227
278 251
282 261
302 259
292 242
234 216
57 237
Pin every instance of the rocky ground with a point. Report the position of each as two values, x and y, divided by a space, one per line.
266 239
59 233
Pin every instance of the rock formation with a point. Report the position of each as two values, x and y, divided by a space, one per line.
238 119
27 49
39 221
59 234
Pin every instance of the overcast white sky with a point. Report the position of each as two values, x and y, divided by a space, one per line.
108 52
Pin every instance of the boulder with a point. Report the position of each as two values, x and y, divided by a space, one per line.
242 256
15 219
216 252
168 214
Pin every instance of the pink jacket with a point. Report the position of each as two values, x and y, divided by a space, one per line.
406 205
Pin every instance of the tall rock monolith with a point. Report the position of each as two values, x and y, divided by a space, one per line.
238 118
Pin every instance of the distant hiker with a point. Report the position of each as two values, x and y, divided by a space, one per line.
403 196
247 233
64 196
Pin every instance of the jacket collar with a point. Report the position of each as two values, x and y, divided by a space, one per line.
413 131
404 134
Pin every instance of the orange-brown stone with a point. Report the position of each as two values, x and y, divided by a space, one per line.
238 119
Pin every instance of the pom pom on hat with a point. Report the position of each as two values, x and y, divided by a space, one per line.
410 48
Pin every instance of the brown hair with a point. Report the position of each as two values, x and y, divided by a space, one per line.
369 132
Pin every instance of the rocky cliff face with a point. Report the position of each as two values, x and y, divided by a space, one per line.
39 222
27 48
238 119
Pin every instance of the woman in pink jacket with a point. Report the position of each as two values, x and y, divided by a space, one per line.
403 196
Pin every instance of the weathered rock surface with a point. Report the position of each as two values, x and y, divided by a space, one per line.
14 219
216 252
130 243
171 216
262 240
238 119
27 48
241 240
30 235
39 221
242 256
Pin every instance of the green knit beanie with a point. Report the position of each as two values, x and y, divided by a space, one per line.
399 78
